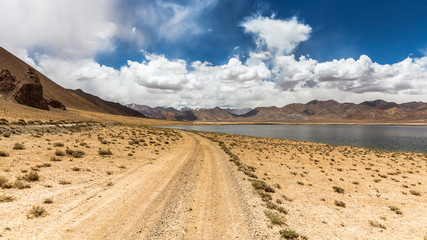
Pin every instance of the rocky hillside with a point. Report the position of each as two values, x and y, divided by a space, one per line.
27 91
22 84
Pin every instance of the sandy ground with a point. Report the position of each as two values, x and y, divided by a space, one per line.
303 176
173 186
170 184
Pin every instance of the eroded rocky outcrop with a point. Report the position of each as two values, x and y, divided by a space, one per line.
55 104
7 81
30 91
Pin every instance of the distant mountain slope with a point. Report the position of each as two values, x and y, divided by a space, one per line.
19 70
332 110
147 110
169 113
20 83
175 116
238 111
314 110
213 115
380 104
106 106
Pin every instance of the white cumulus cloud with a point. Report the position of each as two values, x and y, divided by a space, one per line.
62 38
278 35
157 72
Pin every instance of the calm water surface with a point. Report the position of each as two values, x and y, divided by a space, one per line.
392 138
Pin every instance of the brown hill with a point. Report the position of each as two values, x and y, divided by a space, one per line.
18 69
380 104
174 115
109 107
413 105
214 114
147 110
20 83
205 115
323 111
332 110
169 113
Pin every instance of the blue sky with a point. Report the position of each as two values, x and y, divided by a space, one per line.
240 53
387 31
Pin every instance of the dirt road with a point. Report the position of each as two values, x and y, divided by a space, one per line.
190 193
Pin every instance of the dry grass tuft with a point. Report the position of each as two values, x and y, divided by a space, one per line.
289 234
376 224
36 211
338 189
395 209
32 176
275 218
339 203
18 146
6 198
103 152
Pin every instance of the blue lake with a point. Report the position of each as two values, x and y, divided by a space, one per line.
391 138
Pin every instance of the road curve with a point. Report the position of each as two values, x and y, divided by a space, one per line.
190 193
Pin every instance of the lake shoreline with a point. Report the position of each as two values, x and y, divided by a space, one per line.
395 138
313 123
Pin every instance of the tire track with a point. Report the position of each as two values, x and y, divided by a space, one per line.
190 193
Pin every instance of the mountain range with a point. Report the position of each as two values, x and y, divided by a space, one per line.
311 111
23 84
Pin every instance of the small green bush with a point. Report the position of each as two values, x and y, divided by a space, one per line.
266 197
376 224
64 182
395 209
58 144
18 146
287 198
261 185
275 218
340 204
338 189
59 153
103 152
415 192
75 153
31 176
289 234
36 211
55 159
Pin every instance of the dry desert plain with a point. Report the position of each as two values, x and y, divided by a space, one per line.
118 178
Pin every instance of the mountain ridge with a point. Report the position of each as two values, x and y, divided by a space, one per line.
313 110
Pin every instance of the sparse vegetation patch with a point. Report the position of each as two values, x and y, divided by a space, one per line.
36 211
